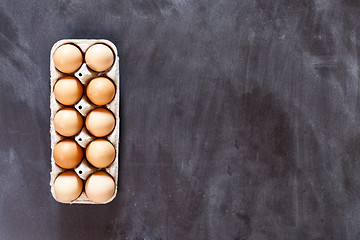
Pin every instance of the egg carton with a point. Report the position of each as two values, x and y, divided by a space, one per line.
84 106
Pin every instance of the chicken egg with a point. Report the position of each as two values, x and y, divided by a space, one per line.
68 186
100 153
99 57
68 122
68 58
100 187
100 122
100 90
68 90
67 154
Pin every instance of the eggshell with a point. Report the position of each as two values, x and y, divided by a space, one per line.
100 122
99 57
68 122
100 187
68 154
100 90
100 153
67 58
68 90
68 186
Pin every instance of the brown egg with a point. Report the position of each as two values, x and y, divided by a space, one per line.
100 90
100 153
100 187
99 57
68 154
68 186
67 58
100 122
68 90
68 122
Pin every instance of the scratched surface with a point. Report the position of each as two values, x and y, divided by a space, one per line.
240 119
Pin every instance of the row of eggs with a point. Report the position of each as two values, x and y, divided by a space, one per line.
99 187
68 58
68 90
99 122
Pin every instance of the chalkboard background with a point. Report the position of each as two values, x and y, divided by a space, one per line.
240 119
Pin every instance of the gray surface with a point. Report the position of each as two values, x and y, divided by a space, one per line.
240 119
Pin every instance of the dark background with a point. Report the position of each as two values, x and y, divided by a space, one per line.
240 119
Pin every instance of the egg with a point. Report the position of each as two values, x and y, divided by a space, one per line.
100 122
68 186
67 154
100 153
100 90
99 57
68 58
68 122
68 90
100 187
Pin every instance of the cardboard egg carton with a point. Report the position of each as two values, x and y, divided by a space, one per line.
84 106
